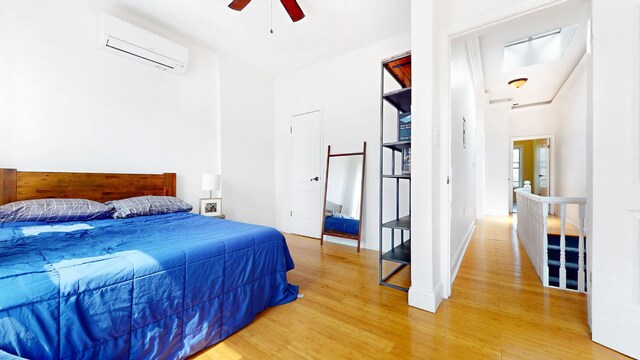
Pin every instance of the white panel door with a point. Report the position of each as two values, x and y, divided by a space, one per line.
615 273
307 181
544 166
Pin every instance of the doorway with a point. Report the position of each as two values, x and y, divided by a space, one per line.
534 48
306 174
530 161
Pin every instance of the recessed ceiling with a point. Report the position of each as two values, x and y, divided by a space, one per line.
330 28
545 79
538 49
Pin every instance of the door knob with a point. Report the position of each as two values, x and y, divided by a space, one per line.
315 179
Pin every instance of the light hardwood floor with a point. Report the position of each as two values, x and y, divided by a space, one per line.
553 226
499 310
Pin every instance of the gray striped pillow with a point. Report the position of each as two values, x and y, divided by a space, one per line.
147 205
54 210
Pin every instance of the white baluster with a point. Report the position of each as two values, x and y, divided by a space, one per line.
545 245
581 247
563 269
532 217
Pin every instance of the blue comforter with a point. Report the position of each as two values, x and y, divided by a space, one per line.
163 286
342 224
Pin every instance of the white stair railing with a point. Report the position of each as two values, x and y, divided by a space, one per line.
532 217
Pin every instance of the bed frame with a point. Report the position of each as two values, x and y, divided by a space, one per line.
27 185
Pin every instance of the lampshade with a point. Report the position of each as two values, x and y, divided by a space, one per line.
518 83
210 182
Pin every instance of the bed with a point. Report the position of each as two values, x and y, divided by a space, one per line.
341 224
160 286
338 224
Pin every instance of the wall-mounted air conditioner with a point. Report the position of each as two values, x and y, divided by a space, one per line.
124 39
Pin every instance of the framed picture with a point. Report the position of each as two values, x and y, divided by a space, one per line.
211 207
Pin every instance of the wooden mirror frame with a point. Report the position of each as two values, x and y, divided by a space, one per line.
326 185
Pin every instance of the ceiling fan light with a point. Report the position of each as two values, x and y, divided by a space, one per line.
518 83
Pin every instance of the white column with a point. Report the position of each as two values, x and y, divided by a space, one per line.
425 291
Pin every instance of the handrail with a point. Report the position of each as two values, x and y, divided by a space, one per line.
532 216
553 199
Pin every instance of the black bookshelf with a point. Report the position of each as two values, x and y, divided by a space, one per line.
401 176
399 99
403 223
398 145
400 254
398 251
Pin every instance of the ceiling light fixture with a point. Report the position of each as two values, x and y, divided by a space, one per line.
518 83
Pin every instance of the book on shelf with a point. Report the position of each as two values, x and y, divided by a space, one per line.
406 161
404 127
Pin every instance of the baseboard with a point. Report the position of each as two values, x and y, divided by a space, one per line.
340 241
350 243
499 213
457 259
426 300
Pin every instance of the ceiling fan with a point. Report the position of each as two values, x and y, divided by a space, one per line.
292 7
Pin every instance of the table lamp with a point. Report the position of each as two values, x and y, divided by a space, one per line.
211 183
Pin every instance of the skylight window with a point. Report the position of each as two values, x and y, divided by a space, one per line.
537 49
534 37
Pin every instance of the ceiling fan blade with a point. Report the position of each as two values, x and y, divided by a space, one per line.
293 9
238 5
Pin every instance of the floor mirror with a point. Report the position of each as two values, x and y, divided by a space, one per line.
343 189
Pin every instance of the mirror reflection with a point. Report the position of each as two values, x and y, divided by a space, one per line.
343 196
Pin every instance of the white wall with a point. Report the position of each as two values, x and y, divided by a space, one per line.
534 121
463 158
496 161
571 142
68 106
247 122
537 122
614 248
502 125
347 90
480 160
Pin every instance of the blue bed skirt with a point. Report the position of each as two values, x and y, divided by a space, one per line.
163 286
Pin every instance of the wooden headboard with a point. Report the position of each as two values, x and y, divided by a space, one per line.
25 185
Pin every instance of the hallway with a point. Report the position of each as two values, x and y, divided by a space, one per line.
499 286
499 310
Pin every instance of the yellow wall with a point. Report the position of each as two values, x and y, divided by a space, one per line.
527 165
